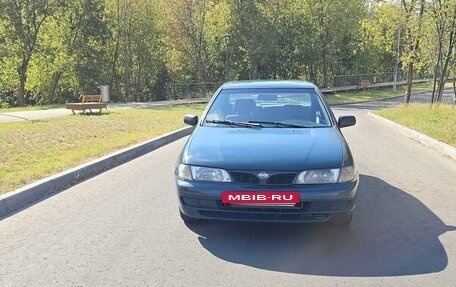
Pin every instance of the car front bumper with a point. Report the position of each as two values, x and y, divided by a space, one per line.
318 203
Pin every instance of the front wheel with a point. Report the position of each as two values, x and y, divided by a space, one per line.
186 218
343 220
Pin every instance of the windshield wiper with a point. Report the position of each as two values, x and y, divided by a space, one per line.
234 123
280 124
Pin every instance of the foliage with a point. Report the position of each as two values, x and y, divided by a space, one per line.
52 51
22 21
443 15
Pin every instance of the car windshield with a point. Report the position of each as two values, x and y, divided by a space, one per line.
278 108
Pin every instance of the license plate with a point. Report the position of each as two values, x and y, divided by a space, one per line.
260 197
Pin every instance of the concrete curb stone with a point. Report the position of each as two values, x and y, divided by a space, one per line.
31 193
425 140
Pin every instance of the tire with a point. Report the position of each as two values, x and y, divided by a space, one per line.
186 218
343 220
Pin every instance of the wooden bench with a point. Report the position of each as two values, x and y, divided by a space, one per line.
89 102
365 84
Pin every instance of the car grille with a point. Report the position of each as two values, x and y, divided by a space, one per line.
242 177
299 207
281 179
250 178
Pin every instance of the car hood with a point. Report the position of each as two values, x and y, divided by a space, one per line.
265 148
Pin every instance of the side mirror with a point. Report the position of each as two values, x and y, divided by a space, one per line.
346 121
191 120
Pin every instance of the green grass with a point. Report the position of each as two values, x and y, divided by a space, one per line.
438 121
375 94
31 108
34 150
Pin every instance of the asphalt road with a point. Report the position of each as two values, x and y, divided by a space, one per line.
122 228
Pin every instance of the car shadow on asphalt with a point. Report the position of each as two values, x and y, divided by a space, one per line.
392 234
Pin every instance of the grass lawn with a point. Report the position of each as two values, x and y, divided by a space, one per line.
33 150
438 122
376 94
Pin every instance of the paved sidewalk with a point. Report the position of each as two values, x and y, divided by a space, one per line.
32 115
52 113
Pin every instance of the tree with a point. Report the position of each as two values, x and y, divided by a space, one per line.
136 51
443 14
252 38
23 20
187 23
71 51
379 35
413 21
217 42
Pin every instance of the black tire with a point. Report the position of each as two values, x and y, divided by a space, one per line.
343 220
186 218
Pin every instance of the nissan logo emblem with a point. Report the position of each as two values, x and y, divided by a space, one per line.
263 175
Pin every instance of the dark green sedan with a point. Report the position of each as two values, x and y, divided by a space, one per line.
267 151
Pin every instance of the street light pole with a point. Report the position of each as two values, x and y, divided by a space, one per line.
357 73
227 59
358 52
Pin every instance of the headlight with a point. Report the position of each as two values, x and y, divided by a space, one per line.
347 173
320 176
188 172
184 172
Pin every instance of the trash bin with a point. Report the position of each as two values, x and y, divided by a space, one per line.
105 93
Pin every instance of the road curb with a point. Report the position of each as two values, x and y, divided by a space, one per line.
15 200
425 140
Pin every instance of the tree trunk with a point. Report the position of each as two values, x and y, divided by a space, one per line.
114 67
115 57
436 70
454 90
409 83
21 95
443 80
55 83
22 79
448 57
254 71
325 64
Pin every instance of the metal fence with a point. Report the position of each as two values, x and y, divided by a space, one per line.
334 81
180 91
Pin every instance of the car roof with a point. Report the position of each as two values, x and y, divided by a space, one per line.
267 84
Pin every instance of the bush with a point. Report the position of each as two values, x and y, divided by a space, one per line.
7 99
